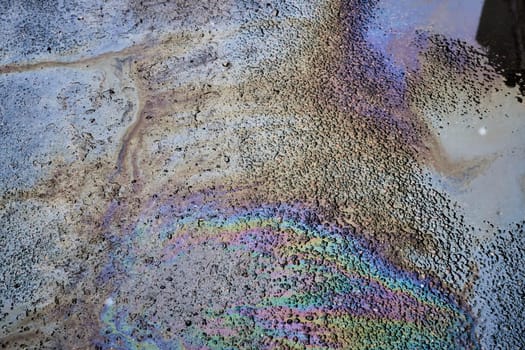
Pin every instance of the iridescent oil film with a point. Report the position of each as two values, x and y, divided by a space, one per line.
244 174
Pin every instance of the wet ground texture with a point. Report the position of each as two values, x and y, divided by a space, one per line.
261 175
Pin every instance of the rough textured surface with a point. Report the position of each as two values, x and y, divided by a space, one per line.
257 175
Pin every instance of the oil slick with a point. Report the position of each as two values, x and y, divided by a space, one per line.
300 284
322 174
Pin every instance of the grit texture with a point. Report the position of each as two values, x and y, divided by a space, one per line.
233 174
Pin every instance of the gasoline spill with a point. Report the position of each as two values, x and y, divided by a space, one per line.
268 277
260 175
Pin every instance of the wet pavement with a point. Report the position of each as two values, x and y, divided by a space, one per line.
261 175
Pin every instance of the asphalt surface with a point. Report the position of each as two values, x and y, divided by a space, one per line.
258 175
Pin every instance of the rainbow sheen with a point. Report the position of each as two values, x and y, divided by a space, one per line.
311 285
